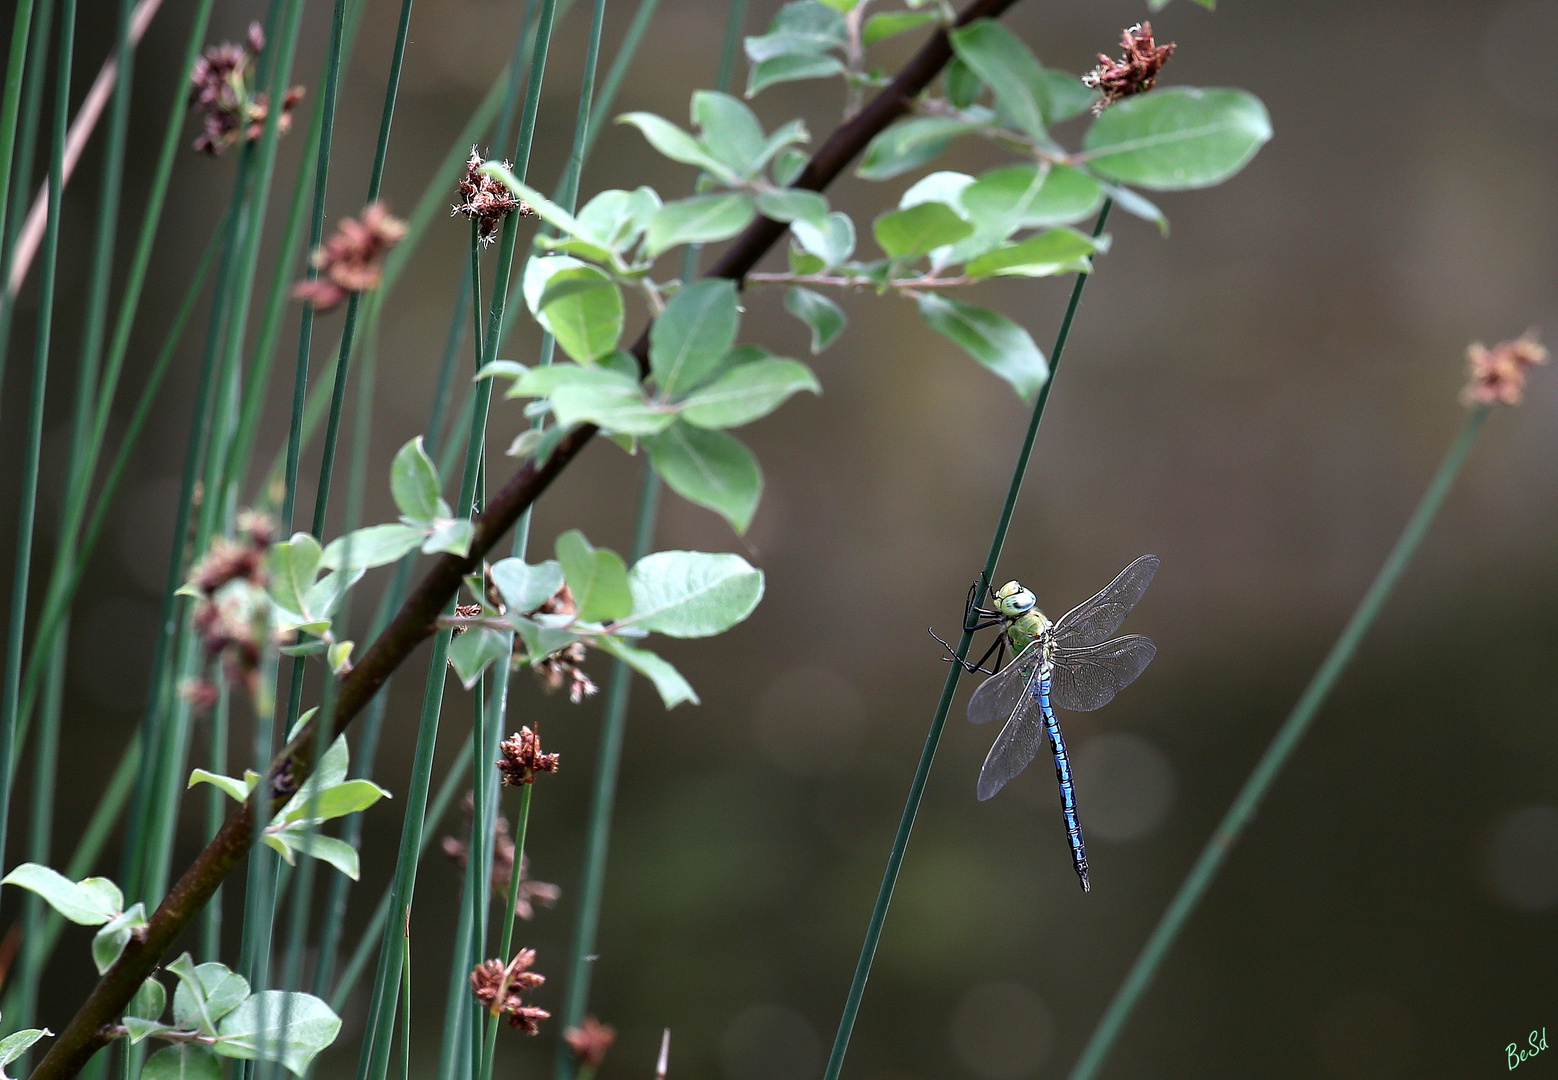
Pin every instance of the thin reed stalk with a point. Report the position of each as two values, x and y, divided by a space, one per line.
884 896
1289 735
25 141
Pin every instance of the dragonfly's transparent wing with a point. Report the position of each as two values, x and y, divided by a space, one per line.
1014 748
999 695
1094 620
1085 679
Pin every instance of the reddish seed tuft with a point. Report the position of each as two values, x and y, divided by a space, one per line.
220 92
1498 375
562 667
590 1041
522 758
1134 72
487 200
231 612
530 892
352 260
498 987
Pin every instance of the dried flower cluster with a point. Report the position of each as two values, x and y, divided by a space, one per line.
530 893
464 611
232 611
352 260
562 667
590 1041
522 758
498 985
1134 72
220 92
487 200
1498 375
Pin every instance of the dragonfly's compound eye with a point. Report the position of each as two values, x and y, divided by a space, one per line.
1016 600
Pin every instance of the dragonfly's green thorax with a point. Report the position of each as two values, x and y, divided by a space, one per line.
1018 607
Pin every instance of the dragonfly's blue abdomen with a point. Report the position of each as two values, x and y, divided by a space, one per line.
1068 795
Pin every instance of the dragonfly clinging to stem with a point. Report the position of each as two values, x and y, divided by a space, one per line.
1067 663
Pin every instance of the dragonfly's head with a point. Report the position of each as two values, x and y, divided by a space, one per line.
1012 601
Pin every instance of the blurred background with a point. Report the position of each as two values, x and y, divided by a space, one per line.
1258 398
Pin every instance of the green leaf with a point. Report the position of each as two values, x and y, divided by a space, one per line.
302 837
792 204
910 144
205 993
1057 251
1030 197
150 1001
886 24
583 307
709 468
747 392
340 656
612 401
414 484
338 800
962 85
17 1043
1137 205
790 67
678 145
525 587
236 789
620 216
286 1027
788 165
731 131
912 232
800 27
326 594
688 594
779 142
1176 139
597 577
701 219
1007 67
182 1061
291 565
824 317
473 650
110 941
453 537
693 334
376 545
88 902
668 681
832 239
540 641
1067 95
991 338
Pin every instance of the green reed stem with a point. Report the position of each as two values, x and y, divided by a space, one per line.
19 176
1271 763
10 105
27 513
884 896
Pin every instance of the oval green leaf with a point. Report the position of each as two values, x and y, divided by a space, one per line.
701 219
689 594
991 338
918 229
710 468
1176 139
693 334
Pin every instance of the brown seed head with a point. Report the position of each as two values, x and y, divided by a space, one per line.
352 259
530 892
487 199
1134 72
590 1041
562 668
522 758
221 94
498 987
1498 375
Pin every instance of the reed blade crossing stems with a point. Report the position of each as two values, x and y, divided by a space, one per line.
884 896
1271 763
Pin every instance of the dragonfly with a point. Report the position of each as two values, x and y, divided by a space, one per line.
1073 663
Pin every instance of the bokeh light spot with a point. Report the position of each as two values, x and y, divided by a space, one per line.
1367 1035
1125 786
1522 863
769 1042
1002 1031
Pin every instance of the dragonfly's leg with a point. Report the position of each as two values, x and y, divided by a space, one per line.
976 593
952 657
